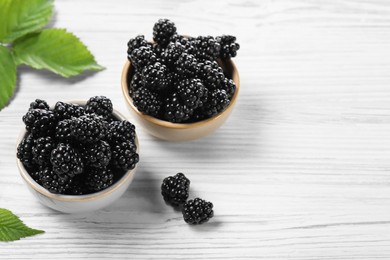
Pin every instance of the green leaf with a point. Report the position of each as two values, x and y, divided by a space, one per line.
7 76
12 228
19 17
56 50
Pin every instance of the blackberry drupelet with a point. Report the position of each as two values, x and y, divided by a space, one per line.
121 131
206 48
197 211
187 65
98 179
96 154
147 101
136 83
175 111
100 105
66 161
24 151
40 122
41 150
64 110
40 104
211 74
155 77
135 43
229 86
175 189
142 57
163 30
229 47
88 128
124 155
52 182
217 101
63 131
172 53
192 93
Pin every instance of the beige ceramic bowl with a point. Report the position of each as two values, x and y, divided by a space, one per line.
77 203
178 131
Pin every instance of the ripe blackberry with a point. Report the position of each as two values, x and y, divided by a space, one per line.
100 105
142 57
124 155
34 173
39 104
197 211
163 30
41 150
175 111
175 189
229 47
135 43
121 131
96 154
40 122
136 83
206 48
155 76
192 92
52 182
66 161
24 151
217 101
158 50
186 65
98 179
64 110
172 53
211 74
147 101
88 128
77 187
63 131
229 86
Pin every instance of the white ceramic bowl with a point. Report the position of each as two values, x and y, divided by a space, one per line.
77 203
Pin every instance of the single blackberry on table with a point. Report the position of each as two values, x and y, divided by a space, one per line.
217 101
163 30
206 48
40 122
155 77
142 57
100 105
172 53
187 65
176 111
124 155
96 154
192 92
24 151
40 104
229 47
211 74
135 83
66 161
147 101
229 86
98 179
64 110
52 182
135 43
63 131
197 211
121 131
88 128
41 150
175 189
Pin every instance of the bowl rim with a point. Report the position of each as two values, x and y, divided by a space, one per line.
167 124
74 198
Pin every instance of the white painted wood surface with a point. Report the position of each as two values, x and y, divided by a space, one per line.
301 170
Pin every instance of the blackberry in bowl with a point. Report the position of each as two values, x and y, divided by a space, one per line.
76 164
180 88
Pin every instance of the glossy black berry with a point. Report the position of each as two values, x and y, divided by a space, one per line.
66 161
217 101
172 53
163 30
121 131
229 86
211 74
77 186
155 77
187 65
98 179
147 101
197 211
96 154
206 48
42 149
24 151
100 105
135 83
63 132
64 110
229 47
52 182
88 128
175 189
135 43
40 122
124 155
192 93
39 104
142 57
176 111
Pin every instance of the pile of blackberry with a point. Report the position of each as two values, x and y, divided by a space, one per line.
177 78
74 149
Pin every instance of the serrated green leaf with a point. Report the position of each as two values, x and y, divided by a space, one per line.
7 76
19 17
56 50
12 228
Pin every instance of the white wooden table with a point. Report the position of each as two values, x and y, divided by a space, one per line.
301 170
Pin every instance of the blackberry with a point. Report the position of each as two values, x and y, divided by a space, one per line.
39 104
135 43
96 154
158 50
197 211
192 93
41 150
147 101
77 187
124 155
121 131
88 128
40 122
24 151
34 173
186 65
175 111
64 110
99 105
211 74
98 179
175 189
52 182
229 47
142 57
217 101
66 161
229 86
172 53
136 83
63 131
155 76
163 30
206 48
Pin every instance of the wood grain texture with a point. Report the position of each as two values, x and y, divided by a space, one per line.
301 170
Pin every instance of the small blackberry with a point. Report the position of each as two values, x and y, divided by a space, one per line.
155 76
96 154
163 30
135 43
39 104
175 111
206 48
136 83
88 128
40 122
211 74
63 131
217 101
186 65
229 47
142 57
229 86
124 155
175 189
100 105
66 161
192 93
147 101
172 53
52 182
121 131
24 151
98 179
64 110
197 211
41 150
